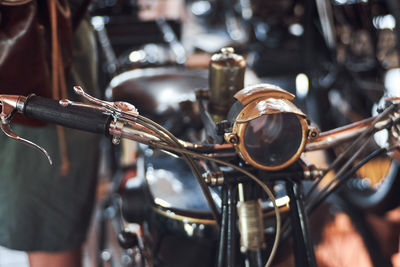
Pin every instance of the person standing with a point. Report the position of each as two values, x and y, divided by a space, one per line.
45 210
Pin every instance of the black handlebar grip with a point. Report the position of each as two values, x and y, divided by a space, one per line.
71 116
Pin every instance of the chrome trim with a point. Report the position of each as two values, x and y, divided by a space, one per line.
132 131
120 108
65 102
336 136
185 219
282 203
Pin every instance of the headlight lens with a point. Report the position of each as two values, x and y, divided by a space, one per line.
273 139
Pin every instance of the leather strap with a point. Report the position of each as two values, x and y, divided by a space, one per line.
59 89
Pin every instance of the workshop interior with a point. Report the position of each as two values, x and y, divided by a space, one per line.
222 133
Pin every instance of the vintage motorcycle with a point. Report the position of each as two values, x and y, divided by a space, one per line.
232 193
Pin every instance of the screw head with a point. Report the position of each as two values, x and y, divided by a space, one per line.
233 139
227 50
116 140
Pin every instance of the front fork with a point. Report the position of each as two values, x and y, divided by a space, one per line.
228 246
302 244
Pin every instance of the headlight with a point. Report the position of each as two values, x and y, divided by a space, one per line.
269 131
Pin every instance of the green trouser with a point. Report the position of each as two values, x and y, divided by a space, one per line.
39 209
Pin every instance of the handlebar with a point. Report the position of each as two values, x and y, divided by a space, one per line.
121 120
81 117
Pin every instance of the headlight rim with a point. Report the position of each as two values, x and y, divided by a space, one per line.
239 129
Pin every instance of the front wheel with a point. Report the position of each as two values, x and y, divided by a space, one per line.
376 186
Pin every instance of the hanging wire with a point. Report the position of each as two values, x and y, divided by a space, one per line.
338 175
251 176
324 195
174 142
341 171
350 148
170 140
174 145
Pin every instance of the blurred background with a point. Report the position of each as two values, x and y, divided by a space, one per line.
338 57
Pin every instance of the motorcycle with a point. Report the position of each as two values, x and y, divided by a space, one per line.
232 193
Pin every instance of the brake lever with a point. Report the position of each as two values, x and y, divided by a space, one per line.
116 109
10 105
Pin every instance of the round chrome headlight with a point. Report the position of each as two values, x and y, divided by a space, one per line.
269 132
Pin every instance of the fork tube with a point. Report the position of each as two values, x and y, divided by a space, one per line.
231 231
302 244
223 229
227 250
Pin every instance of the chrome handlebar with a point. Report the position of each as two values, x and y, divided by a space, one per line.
124 124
